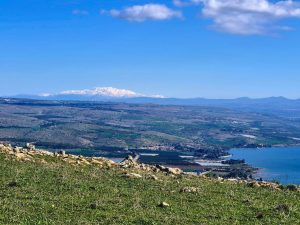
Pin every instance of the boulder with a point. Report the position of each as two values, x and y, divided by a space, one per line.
174 171
254 184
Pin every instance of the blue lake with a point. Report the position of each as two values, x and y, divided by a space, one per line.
281 164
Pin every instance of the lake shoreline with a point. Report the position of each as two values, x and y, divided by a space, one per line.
281 164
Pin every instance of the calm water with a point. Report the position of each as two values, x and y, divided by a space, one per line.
281 164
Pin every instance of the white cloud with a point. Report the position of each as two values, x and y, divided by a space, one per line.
183 3
246 17
80 12
140 13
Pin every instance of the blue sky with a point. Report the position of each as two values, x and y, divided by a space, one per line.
178 49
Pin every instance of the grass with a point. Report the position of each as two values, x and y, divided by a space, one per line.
58 193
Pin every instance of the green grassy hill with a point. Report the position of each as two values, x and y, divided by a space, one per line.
40 189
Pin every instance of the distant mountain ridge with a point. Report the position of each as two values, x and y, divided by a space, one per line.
273 105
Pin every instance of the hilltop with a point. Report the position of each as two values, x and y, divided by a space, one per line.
40 187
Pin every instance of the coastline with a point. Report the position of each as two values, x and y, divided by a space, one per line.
274 163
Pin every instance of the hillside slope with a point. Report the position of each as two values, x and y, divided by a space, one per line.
41 188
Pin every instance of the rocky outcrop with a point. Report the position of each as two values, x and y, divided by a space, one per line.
260 184
130 162
31 153
174 171
133 169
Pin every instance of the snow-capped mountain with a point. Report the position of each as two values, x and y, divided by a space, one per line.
105 91
98 93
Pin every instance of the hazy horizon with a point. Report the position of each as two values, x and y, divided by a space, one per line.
137 95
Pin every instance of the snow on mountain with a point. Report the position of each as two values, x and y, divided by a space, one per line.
104 92
44 95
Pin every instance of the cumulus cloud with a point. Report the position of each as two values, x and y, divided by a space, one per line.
246 17
140 13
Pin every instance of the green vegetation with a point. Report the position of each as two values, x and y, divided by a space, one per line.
51 191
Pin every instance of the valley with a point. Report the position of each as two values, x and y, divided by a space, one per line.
116 128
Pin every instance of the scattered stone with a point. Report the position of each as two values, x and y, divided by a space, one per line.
220 179
97 162
18 149
153 177
84 161
164 205
283 208
43 161
173 171
93 206
247 202
161 168
30 146
23 157
63 153
260 216
254 184
233 180
70 161
133 175
109 163
13 184
129 162
29 152
44 152
189 190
